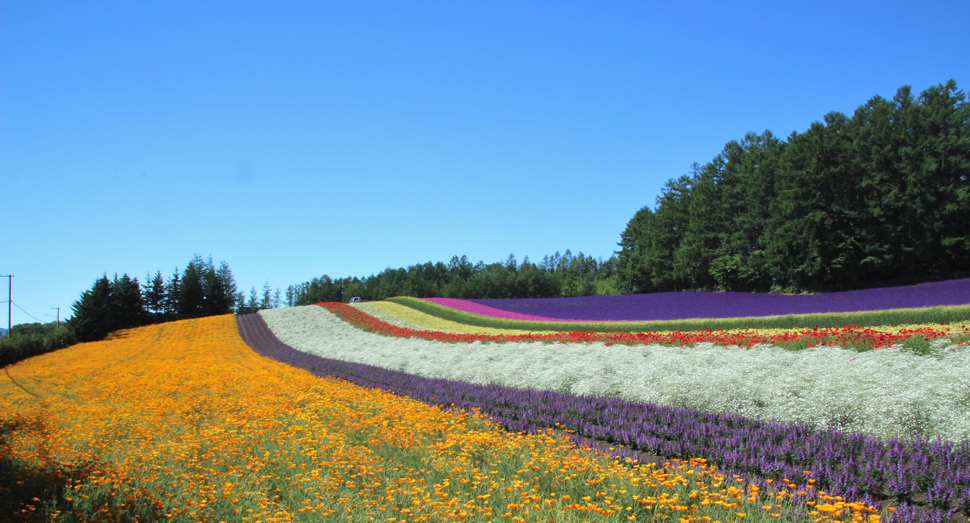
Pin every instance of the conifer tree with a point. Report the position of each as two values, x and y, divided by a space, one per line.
226 300
253 304
127 308
173 293
153 295
241 307
192 291
267 301
91 320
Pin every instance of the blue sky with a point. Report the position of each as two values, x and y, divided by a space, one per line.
296 139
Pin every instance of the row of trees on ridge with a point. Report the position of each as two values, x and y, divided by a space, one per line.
851 202
555 276
202 289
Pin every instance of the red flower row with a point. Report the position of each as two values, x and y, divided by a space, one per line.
849 336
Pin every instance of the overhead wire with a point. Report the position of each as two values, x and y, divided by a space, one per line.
20 291
27 313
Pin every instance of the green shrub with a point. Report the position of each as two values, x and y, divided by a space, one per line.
16 347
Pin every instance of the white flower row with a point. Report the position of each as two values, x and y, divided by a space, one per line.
887 392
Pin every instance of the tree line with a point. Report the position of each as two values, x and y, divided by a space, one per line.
555 276
851 202
202 289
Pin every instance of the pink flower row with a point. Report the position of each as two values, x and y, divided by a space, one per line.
485 310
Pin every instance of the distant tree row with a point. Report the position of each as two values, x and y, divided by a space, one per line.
35 329
883 195
202 289
31 339
557 275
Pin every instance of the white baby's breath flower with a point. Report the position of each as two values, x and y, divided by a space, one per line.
887 392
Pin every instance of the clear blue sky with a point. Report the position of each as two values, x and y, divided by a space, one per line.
299 139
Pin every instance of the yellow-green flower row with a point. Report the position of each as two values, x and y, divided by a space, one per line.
407 317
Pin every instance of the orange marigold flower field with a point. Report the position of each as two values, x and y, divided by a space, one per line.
182 421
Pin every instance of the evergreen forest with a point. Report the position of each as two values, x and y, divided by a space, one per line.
881 196
122 302
557 275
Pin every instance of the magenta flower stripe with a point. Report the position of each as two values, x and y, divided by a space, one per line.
686 305
485 310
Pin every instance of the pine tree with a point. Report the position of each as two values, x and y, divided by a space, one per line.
153 295
241 307
229 288
173 293
253 304
218 297
127 308
942 181
192 292
277 299
267 301
92 319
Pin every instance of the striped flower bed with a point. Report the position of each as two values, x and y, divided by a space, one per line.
185 422
849 336
934 474
887 393
683 305
476 307
406 317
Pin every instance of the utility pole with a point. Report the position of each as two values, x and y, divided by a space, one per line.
58 316
9 278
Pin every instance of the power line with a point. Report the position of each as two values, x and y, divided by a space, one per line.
23 294
24 291
27 313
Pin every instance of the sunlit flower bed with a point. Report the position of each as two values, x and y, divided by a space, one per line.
183 422
406 317
681 305
849 336
390 313
889 392
932 474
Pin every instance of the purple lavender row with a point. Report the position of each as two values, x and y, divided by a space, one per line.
685 305
935 473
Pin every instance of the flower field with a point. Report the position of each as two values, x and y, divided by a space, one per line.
943 315
931 474
682 305
874 392
183 421
411 323
387 412
481 307
392 314
399 315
